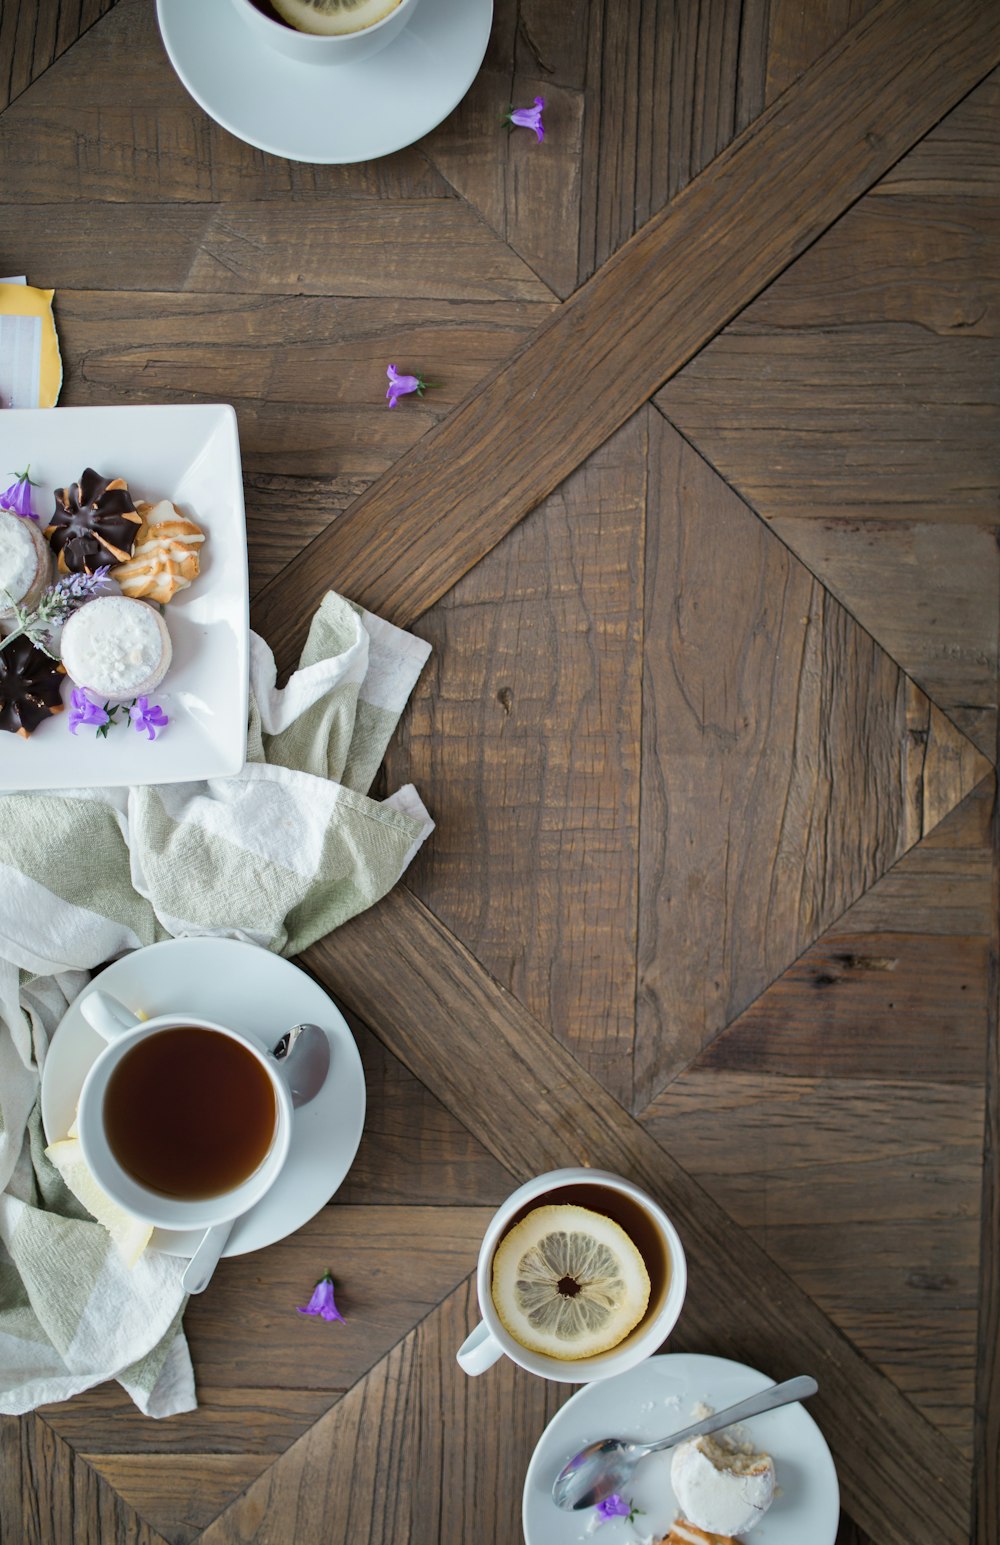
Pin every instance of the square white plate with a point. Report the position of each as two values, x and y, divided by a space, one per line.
190 455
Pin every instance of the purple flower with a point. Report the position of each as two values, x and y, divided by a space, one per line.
616 1507
528 117
84 711
17 499
322 1300
147 718
401 386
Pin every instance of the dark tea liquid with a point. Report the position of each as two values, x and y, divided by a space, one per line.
633 1219
189 1113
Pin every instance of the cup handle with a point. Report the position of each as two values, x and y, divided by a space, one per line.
479 1351
107 1016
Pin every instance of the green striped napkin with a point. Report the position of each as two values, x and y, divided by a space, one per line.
278 855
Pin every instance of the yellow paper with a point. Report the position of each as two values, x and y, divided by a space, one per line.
30 363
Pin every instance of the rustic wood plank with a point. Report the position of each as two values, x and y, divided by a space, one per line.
866 1191
986 1491
247 1339
412 1453
787 763
668 87
62 141
307 377
49 1496
869 441
648 311
407 248
523 737
420 991
34 33
799 33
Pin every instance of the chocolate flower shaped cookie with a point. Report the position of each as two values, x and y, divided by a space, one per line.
29 687
94 521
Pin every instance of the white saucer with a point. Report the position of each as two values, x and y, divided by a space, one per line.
245 987
650 1401
319 113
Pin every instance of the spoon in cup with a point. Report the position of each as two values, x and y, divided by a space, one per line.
304 1054
606 1466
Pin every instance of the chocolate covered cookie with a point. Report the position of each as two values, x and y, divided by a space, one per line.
95 522
30 682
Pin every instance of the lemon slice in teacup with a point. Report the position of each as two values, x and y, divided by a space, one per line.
129 1235
569 1283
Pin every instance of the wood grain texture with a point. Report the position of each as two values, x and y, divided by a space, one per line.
418 1453
33 33
392 1266
869 442
529 194
797 34
523 737
427 249
305 374
49 1496
669 86
645 313
986 1492
421 991
866 1191
787 762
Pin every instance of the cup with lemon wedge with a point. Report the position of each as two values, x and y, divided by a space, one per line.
581 1276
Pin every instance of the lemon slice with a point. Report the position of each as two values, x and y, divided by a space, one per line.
129 1235
569 1282
333 17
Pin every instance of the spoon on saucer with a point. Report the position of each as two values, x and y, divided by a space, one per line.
304 1054
606 1466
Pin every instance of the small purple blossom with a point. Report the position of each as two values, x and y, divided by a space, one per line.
17 499
401 386
527 118
615 1506
83 710
322 1302
146 718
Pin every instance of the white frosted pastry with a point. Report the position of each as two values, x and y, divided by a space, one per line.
723 1490
25 565
117 647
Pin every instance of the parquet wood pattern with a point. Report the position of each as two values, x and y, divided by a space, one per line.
527 735
34 33
646 312
421 999
869 442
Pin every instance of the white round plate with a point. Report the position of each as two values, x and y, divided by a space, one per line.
321 113
650 1401
247 988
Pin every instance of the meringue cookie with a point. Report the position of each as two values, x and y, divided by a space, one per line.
723 1490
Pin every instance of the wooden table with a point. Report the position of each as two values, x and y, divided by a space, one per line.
702 524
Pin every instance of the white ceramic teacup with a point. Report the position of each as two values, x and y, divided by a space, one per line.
313 48
490 1340
123 1030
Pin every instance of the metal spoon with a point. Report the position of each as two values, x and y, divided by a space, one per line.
304 1054
606 1466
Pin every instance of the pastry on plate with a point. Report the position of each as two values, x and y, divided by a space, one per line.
116 647
722 1488
165 558
683 1533
30 687
25 566
94 523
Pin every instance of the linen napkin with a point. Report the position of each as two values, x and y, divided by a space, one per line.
278 856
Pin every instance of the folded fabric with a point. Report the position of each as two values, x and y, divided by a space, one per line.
278 856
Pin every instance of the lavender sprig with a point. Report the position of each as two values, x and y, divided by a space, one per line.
57 603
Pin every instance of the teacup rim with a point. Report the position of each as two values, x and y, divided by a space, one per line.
326 37
209 1211
588 1370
